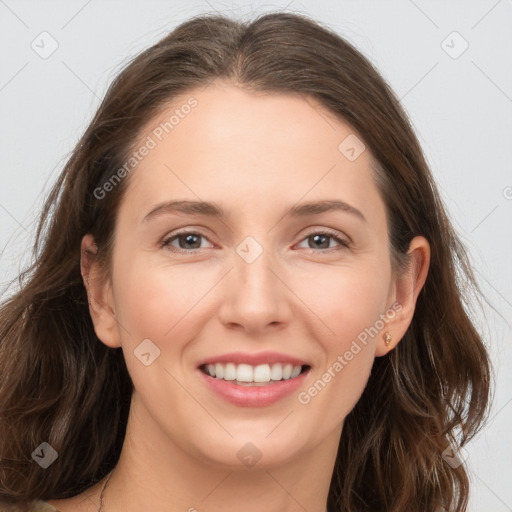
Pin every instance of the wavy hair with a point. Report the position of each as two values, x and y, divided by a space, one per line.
60 384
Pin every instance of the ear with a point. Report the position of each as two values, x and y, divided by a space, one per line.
99 293
404 295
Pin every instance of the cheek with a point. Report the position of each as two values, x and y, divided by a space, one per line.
165 304
346 299
156 301
350 303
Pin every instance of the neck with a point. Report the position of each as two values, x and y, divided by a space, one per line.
154 473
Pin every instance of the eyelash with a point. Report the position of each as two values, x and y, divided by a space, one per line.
344 244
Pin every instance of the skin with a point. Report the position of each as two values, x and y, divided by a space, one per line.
256 156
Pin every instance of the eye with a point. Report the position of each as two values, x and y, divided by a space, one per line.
190 241
322 239
187 241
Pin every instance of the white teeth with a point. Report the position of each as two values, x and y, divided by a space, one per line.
219 371
244 373
253 374
277 372
262 373
295 372
287 371
230 372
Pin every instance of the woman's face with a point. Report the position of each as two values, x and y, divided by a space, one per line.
273 279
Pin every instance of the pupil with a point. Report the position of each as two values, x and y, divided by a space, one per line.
325 244
189 239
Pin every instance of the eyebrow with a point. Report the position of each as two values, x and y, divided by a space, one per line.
212 209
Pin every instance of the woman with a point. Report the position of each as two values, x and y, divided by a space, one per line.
247 293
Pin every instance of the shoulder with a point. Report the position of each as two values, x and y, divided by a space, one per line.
86 501
34 506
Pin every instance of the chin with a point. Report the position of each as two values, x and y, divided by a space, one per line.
251 451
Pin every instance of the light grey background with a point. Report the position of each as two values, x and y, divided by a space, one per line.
460 107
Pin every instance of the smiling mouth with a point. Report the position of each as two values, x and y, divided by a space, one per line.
249 375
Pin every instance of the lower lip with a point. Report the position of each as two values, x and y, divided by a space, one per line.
253 396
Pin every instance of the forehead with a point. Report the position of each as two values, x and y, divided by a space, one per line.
252 148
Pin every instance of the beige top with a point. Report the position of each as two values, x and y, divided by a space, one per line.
37 506
42 506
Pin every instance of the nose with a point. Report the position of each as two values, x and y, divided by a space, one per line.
256 298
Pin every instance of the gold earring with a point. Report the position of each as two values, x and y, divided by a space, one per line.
388 338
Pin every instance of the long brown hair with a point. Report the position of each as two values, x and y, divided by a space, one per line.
60 384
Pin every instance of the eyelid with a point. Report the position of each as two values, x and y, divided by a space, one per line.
330 232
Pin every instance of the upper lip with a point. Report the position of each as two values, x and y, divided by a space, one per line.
254 359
